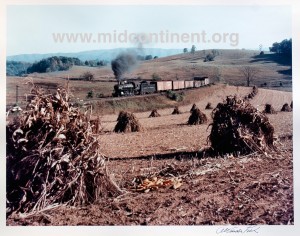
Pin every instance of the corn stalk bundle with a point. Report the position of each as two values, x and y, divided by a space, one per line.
197 117
238 127
154 113
252 94
269 109
193 107
208 106
286 107
176 111
127 122
53 157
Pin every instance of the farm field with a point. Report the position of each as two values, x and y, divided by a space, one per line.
273 72
248 190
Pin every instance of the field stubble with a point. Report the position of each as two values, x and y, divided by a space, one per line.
253 189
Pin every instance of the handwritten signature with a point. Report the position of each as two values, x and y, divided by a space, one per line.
235 229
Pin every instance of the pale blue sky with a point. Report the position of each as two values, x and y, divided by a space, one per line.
30 28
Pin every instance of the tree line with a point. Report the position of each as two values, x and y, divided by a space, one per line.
50 64
55 63
284 47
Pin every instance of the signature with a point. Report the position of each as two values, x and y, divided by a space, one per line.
235 229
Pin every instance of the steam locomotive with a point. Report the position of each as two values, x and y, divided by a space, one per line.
131 88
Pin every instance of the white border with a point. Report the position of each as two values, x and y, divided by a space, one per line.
149 230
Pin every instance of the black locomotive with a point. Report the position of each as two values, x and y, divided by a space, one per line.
131 88
125 88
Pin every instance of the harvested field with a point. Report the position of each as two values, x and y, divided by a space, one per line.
248 190
252 189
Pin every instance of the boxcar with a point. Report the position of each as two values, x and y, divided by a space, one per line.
189 84
163 85
206 81
178 85
197 84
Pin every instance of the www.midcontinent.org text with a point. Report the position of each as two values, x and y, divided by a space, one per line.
163 36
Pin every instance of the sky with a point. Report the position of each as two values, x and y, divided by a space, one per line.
34 29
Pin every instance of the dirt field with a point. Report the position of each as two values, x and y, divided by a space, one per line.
248 190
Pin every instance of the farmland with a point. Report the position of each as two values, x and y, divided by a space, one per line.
248 189
252 189
273 72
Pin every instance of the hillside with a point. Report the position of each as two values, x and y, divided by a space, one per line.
272 69
273 73
104 54
226 67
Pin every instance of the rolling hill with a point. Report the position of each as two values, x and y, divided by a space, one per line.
104 54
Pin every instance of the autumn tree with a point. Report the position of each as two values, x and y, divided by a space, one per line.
249 73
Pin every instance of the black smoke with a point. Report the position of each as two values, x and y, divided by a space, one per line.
123 63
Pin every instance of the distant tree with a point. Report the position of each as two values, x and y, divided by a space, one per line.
215 52
101 63
87 76
155 57
86 63
209 57
193 49
284 47
249 73
17 68
148 57
51 64
140 58
185 50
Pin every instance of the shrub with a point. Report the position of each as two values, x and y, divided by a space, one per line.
209 57
87 76
175 96
90 94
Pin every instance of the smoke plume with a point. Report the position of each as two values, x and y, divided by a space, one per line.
123 63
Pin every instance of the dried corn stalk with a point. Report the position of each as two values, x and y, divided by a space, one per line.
53 156
238 127
127 122
155 183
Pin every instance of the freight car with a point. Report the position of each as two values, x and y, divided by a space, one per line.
126 88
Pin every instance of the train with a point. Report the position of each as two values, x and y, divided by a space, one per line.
131 88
